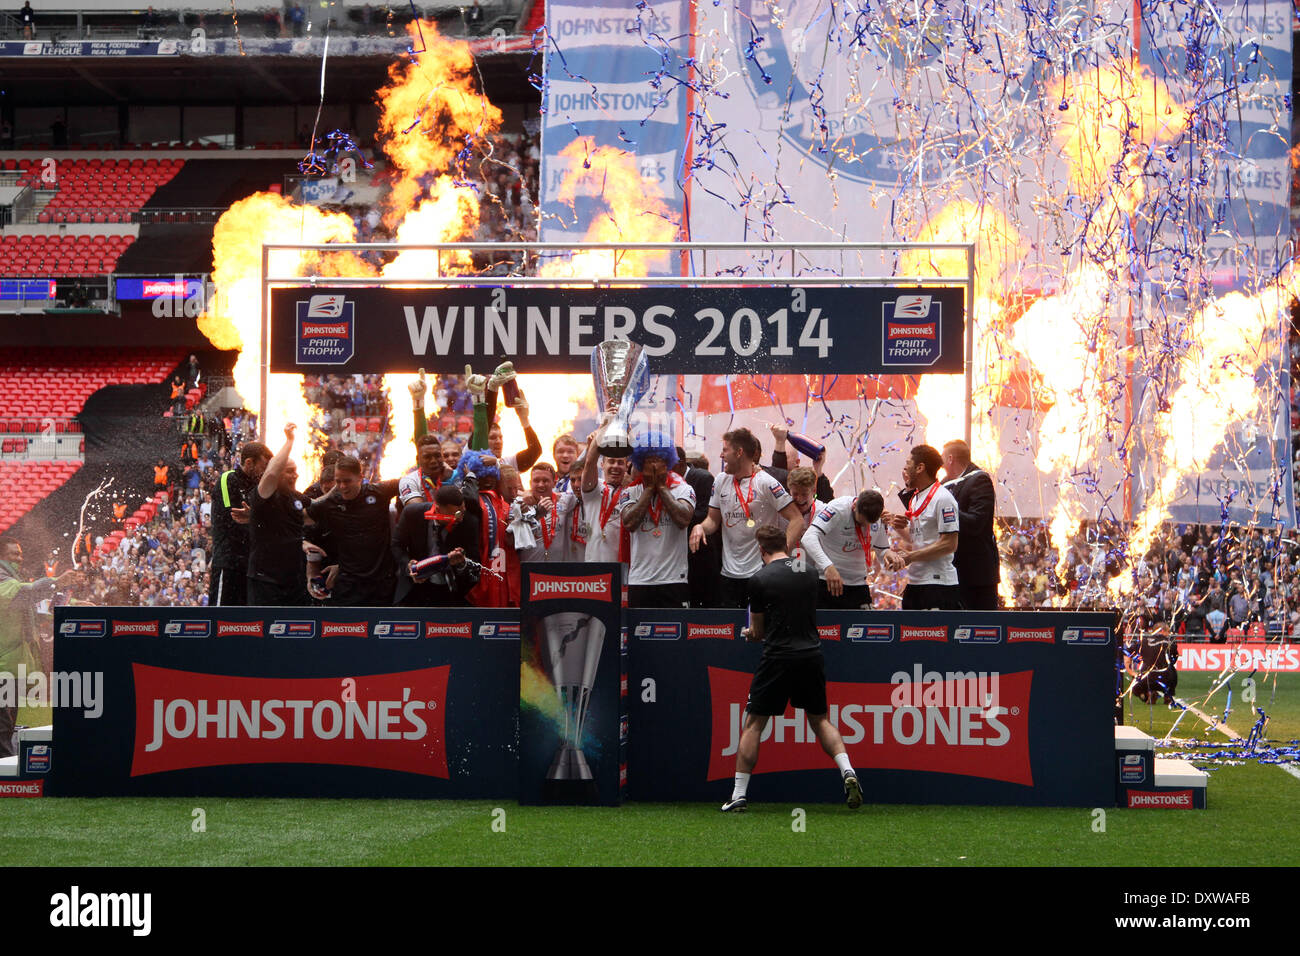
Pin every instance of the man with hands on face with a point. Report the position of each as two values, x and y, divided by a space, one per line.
744 497
656 509
355 514
927 536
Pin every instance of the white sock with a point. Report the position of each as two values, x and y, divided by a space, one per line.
742 784
842 761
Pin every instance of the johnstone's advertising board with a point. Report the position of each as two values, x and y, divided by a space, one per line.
934 707
872 330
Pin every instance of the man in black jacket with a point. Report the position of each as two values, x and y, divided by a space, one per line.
977 558
228 579
428 528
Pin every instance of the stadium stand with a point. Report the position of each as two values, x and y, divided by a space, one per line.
93 190
55 383
62 256
27 484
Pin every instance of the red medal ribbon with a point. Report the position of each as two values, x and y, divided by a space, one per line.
744 503
547 538
608 499
866 544
912 513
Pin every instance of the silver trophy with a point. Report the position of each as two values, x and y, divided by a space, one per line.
572 643
621 374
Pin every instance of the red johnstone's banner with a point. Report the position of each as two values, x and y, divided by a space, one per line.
596 587
387 721
990 742
1242 657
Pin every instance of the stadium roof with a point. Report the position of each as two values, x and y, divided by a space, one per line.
222 80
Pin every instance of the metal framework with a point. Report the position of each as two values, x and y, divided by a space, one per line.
688 251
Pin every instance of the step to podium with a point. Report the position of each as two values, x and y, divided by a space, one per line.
35 752
1145 781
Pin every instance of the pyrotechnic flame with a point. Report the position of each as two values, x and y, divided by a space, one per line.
1111 118
1216 393
430 115
234 318
635 212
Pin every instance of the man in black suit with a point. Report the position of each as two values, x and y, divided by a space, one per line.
428 528
976 559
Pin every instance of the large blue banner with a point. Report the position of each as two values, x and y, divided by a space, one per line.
613 80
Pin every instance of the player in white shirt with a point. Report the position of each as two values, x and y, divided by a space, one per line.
656 508
422 483
839 543
744 497
548 515
601 527
927 536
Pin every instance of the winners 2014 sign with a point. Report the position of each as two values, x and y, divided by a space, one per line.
694 331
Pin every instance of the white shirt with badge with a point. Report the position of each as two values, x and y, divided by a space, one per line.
834 537
937 517
758 501
602 539
553 526
659 546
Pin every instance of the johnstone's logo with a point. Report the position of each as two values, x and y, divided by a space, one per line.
84 628
595 588
344 629
185 719
292 629
28 788
661 631
974 724
135 628
913 633
326 330
726 632
870 633
1172 799
1133 768
828 632
1086 635
397 629
912 331
242 628
978 635
438 629
1037 635
499 630
192 628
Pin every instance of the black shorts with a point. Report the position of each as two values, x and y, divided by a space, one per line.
852 598
278 594
732 592
659 595
932 597
799 680
227 587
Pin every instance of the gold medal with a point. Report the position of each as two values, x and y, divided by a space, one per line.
749 523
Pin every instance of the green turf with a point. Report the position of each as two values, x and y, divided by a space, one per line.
1250 822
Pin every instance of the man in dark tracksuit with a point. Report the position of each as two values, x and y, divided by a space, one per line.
228 578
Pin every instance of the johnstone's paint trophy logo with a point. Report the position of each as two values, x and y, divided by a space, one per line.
913 330
325 330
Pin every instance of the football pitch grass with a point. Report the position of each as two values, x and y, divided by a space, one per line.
1251 821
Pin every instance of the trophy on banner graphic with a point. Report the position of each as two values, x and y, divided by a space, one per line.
621 374
572 643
